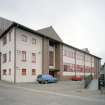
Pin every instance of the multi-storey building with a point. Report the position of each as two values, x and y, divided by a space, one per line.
26 53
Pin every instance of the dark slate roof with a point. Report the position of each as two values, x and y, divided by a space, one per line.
4 24
50 32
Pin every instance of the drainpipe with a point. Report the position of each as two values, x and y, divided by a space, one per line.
84 66
75 63
91 66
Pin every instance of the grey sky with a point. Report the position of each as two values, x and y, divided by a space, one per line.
80 23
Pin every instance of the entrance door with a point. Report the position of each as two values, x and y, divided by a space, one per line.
53 73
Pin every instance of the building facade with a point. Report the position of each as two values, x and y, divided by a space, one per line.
26 53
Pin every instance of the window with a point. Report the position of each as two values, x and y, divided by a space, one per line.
51 58
4 72
9 36
23 72
33 41
65 68
4 58
65 53
4 40
33 57
24 38
9 56
33 71
23 56
9 71
81 68
71 67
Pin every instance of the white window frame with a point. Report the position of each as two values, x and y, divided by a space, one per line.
24 38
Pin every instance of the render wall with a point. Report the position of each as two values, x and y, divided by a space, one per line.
79 63
29 48
4 49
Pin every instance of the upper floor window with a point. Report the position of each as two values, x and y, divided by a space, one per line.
51 58
9 36
33 57
24 56
33 41
24 38
4 58
4 40
9 55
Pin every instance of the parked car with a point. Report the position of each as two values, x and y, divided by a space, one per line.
76 78
46 78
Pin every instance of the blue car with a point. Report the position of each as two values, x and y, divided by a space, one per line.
46 78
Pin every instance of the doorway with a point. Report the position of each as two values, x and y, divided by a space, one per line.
53 73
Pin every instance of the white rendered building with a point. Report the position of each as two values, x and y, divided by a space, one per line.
26 53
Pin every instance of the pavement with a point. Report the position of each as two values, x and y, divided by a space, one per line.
61 93
93 85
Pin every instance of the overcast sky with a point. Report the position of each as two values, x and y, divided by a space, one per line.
80 23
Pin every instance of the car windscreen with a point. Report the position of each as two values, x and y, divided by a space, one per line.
39 76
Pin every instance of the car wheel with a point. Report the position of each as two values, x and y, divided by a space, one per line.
46 82
40 82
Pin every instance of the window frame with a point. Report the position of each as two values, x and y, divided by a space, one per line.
51 58
4 58
23 72
24 38
65 68
33 41
33 57
9 56
4 40
33 72
4 72
23 56
9 35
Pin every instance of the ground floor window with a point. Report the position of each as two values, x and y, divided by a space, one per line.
65 68
69 67
33 72
4 71
23 72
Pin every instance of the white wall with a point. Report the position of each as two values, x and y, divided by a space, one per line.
68 60
5 49
29 48
79 61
